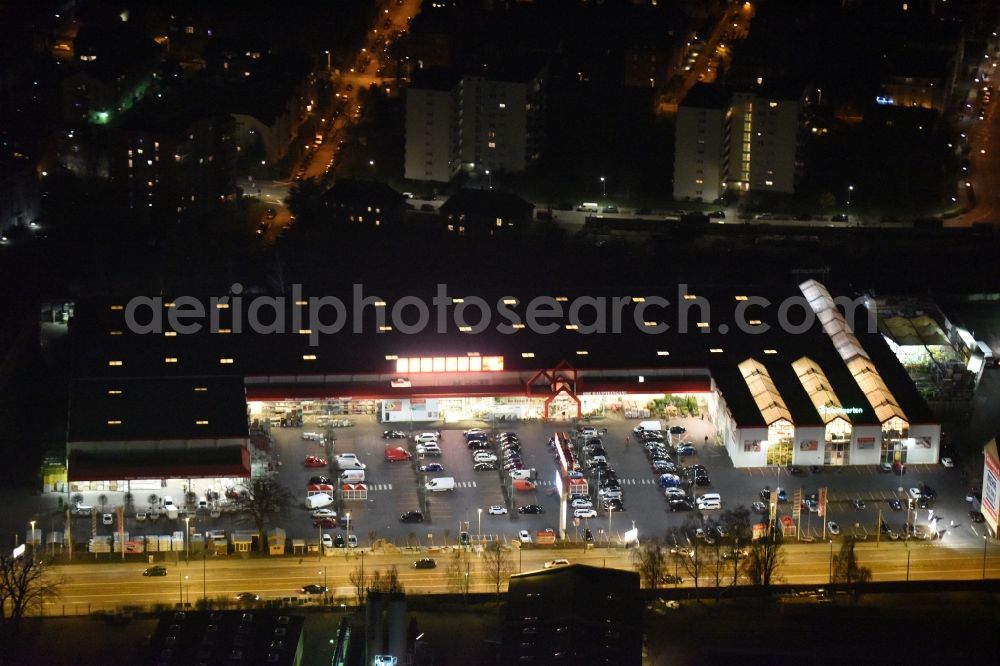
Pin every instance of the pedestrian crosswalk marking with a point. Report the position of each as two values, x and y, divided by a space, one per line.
379 486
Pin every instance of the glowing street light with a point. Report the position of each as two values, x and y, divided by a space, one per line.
604 190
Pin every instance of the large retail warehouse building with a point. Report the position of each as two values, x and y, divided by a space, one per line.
812 391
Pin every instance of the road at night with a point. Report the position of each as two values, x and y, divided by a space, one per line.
88 587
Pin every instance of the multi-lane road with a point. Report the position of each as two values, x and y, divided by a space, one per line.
87 587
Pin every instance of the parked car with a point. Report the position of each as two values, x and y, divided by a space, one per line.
324 513
555 563
895 505
393 434
947 462
885 467
859 504
425 563
524 536
582 504
158 570
530 508
484 467
429 449
313 480
497 510
833 528
431 467
677 430
315 461
327 523
412 517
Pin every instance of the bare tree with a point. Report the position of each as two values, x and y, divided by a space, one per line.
846 568
650 560
359 579
387 584
764 558
497 566
24 584
739 532
459 573
265 497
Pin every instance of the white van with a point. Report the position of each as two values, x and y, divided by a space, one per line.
522 474
353 476
318 501
650 425
710 497
441 484
349 461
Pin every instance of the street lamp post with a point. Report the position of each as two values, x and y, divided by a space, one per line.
611 510
986 540
831 561
604 189
188 586
33 539
187 539
850 190
327 60
490 176
479 528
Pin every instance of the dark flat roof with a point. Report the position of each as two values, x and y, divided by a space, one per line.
162 408
609 357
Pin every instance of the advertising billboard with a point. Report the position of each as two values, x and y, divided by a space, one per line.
991 481
809 445
822 502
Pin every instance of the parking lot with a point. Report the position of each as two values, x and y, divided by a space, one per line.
396 487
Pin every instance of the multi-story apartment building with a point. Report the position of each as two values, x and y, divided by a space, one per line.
700 160
431 136
475 122
742 141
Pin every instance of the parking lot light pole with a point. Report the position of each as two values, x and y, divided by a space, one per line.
33 540
187 540
604 189
479 528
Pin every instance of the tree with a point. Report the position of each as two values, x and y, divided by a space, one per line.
387 584
359 579
304 200
739 533
497 566
764 558
265 496
24 584
650 560
459 574
846 569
